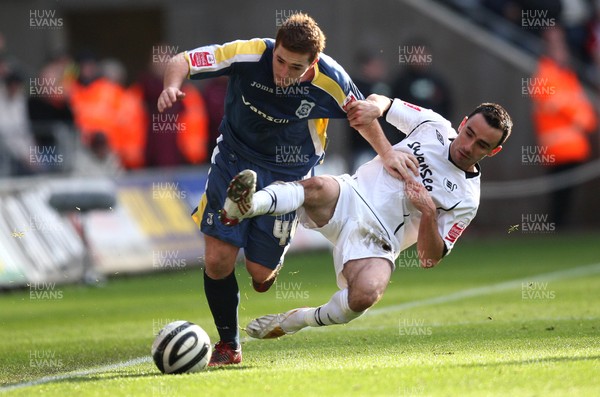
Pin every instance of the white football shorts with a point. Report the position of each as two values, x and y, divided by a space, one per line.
355 229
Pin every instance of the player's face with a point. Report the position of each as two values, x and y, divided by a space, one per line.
475 140
289 67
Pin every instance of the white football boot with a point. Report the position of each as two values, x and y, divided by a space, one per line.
272 325
238 204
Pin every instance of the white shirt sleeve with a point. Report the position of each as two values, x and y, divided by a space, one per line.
406 117
453 223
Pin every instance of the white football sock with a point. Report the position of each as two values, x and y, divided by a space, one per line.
336 311
278 199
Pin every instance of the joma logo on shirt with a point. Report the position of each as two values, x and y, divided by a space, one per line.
261 86
425 171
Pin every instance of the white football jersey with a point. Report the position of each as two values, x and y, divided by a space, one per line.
454 191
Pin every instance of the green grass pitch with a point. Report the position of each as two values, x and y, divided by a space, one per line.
518 316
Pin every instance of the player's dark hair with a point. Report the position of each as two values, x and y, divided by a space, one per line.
300 33
496 117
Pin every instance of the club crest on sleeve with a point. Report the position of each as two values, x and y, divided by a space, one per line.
202 58
456 230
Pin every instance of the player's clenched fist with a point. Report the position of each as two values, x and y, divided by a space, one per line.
168 97
361 113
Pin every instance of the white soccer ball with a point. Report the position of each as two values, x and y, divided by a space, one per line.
181 347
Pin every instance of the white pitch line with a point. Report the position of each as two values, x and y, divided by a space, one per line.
76 374
455 296
490 289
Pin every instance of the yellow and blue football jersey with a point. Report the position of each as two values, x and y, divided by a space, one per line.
280 128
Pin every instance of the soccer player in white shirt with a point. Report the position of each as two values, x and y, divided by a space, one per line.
371 217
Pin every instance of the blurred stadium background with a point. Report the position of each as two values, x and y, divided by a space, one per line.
82 198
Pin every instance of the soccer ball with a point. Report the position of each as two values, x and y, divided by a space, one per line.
181 347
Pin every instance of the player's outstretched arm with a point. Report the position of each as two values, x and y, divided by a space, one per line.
176 72
363 116
430 246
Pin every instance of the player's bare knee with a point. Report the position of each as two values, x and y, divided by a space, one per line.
364 292
361 300
320 198
362 303
259 273
219 258
217 269
261 277
217 266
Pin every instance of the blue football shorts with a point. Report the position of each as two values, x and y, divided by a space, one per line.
265 239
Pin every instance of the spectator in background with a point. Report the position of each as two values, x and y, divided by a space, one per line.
179 135
56 107
49 107
106 158
126 140
371 79
418 84
563 116
95 101
16 140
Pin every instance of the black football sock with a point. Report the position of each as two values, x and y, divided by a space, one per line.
223 298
